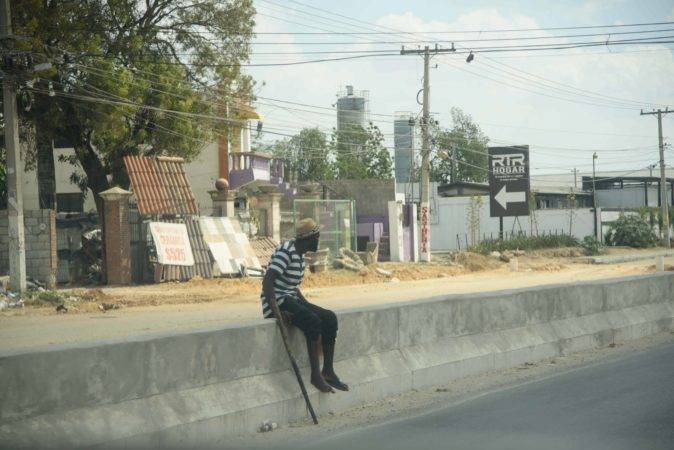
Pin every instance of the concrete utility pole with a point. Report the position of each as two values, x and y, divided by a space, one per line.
664 210
575 178
17 247
425 215
594 195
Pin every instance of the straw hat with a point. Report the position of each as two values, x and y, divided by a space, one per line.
306 228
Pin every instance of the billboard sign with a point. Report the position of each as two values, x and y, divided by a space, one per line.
172 243
509 181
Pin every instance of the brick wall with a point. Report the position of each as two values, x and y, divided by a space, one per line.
117 242
41 259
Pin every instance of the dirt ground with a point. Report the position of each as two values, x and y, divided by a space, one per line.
461 268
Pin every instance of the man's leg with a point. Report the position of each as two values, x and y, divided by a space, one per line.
329 335
310 324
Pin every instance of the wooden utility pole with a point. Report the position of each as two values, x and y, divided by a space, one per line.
14 169
425 215
664 210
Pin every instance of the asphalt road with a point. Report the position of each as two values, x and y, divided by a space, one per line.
618 404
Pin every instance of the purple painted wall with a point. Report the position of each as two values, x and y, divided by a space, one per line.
238 178
373 231
259 163
408 241
373 219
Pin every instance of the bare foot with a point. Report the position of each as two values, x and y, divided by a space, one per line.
333 380
320 384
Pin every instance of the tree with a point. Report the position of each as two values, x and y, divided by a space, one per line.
307 155
134 77
461 150
360 153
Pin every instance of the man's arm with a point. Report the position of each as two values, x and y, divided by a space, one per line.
269 294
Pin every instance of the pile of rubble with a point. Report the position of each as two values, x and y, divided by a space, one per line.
507 255
356 261
347 259
13 300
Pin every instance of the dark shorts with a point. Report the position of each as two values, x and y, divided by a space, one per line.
313 320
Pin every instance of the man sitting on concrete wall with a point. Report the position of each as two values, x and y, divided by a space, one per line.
280 287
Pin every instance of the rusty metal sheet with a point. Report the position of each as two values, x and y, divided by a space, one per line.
160 186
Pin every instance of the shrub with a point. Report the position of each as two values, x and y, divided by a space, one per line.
523 242
592 246
631 231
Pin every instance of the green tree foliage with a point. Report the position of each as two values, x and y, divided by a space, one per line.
307 154
122 66
467 143
360 153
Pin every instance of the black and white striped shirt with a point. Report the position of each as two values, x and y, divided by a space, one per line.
289 266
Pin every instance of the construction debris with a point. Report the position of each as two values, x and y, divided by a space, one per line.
386 273
108 306
349 260
371 253
317 261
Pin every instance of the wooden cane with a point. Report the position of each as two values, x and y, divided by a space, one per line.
296 369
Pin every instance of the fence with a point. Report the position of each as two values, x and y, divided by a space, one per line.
470 220
336 218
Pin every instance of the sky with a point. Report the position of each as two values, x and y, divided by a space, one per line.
564 104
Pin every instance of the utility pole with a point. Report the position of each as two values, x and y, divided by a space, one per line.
575 178
594 195
17 248
664 210
425 215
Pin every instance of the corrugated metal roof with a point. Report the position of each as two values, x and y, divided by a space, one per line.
263 247
160 185
203 263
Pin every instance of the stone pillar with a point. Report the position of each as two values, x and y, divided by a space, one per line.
395 230
223 203
117 236
271 202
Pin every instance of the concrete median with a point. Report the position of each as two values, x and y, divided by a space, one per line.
196 389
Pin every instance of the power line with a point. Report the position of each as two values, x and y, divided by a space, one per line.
404 33
500 39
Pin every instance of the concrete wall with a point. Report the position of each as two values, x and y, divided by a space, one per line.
202 173
371 196
40 232
195 389
452 221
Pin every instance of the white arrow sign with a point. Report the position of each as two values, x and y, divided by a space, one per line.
504 197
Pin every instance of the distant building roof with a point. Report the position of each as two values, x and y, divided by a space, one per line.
462 188
160 185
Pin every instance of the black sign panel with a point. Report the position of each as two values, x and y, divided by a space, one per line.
509 181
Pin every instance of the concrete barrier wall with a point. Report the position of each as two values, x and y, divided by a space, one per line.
198 388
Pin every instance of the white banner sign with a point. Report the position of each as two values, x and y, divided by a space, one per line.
172 243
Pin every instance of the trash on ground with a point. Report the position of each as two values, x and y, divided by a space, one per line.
267 426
